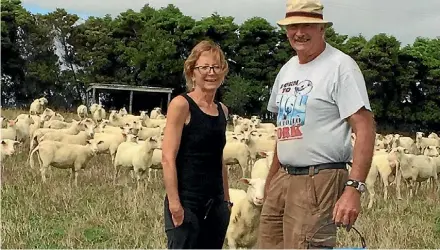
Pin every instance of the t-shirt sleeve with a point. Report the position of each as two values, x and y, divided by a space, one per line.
272 105
351 92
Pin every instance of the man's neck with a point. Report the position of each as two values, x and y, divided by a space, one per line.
306 58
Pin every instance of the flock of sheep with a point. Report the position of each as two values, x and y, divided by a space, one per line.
134 145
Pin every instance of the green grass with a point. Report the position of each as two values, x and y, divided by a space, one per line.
100 215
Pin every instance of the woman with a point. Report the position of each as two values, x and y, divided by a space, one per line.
197 206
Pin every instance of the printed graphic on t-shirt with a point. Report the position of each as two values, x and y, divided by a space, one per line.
292 101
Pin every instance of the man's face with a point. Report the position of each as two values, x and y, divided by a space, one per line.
305 37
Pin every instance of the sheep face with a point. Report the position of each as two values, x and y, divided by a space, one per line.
94 145
431 151
90 130
8 146
155 142
255 192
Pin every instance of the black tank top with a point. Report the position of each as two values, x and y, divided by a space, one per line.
199 159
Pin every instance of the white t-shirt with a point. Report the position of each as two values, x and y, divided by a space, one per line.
312 101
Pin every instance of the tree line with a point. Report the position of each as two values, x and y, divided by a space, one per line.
57 56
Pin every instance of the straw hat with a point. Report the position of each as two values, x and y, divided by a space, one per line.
303 11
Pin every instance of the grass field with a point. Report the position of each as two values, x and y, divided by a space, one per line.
101 215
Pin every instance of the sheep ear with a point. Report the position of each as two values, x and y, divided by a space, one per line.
245 180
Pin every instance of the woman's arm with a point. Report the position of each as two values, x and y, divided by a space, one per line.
225 170
177 113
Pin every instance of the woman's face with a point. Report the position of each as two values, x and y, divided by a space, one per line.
208 73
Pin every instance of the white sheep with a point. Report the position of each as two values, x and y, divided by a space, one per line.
433 135
423 142
93 107
37 106
138 157
261 166
387 171
153 123
259 143
81 111
81 138
112 141
8 148
23 127
145 132
123 111
245 214
99 114
155 112
11 131
416 168
237 152
38 133
65 156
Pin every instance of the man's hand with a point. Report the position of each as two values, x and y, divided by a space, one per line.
347 208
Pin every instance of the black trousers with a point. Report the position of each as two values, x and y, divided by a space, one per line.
196 232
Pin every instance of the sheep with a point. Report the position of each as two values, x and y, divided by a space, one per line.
258 143
416 168
137 157
237 151
388 173
38 133
8 148
98 114
423 142
261 166
23 127
145 132
156 164
123 111
245 213
64 156
119 120
57 124
433 135
93 107
81 111
81 138
37 106
10 132
112 141
153 123
431 151
155 112
160 117
269 127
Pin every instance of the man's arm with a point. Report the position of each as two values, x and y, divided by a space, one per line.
363 125
275 164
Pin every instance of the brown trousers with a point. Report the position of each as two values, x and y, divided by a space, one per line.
297 206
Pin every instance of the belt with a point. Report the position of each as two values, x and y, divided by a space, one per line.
315 168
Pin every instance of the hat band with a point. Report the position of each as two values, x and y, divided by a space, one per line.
304 14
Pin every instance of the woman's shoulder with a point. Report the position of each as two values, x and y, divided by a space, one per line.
179 102
225 109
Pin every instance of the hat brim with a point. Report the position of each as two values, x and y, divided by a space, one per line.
297 20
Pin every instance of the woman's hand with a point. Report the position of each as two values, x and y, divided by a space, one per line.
177 214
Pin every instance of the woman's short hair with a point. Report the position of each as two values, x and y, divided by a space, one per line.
205 45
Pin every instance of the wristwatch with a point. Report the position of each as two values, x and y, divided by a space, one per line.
359 186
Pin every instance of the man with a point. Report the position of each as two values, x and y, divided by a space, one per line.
320 97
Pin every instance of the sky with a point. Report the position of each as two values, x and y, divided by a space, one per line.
403 19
